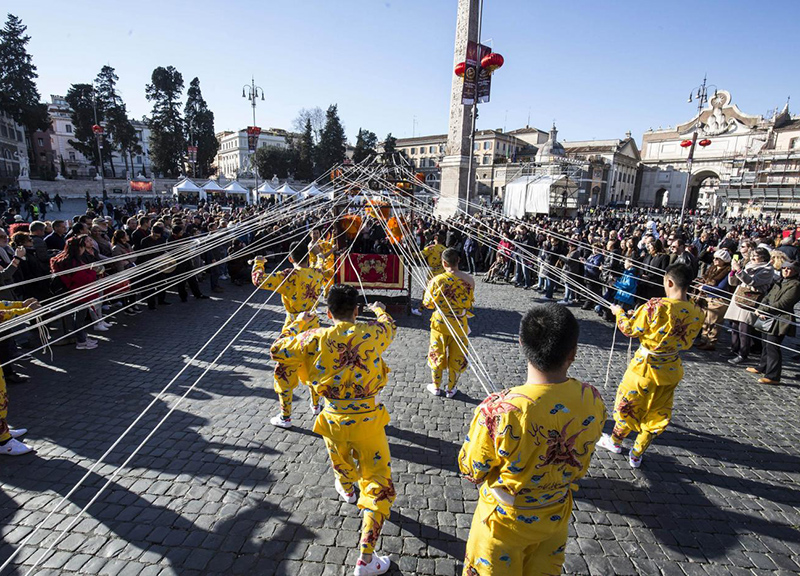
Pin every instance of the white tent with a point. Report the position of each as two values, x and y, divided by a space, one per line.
210 186
528 195
286 189
188 188
312 191
265 188
235 188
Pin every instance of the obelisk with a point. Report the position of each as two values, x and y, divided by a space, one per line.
455 164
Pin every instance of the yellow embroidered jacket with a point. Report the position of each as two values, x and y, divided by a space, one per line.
300 291
454 297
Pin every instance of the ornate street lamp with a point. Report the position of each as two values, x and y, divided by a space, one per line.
252 92
699 93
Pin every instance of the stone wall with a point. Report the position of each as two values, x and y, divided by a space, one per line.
77 188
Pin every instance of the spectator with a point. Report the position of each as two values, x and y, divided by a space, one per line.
752 281
56 240
713 298
72 258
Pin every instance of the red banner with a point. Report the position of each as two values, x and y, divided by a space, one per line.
141 186
384 271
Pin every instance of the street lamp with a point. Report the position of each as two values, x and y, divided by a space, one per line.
252 92
699 93
98 133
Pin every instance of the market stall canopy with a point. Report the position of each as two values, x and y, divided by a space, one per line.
212 186
312 191
265 188
528 195
236 188
185 185
286 189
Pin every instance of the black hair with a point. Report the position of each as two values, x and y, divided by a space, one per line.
452 257
763 254
298 252
342 301
548 334
158 230
680 274
441 236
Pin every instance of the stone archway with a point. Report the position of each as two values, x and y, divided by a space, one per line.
661 198
702 189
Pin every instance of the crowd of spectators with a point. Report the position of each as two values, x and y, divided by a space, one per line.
746 269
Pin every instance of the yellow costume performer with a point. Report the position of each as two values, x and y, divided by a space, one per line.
345 367
451 298
528 446
664 327
9 310
324 260
433 256
299 288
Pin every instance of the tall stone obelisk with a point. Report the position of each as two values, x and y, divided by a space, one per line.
455 164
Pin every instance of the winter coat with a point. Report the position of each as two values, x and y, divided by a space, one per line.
626 286
779 303
756 277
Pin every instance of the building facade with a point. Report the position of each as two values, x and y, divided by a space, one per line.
751 164
234 157
612 167
12 144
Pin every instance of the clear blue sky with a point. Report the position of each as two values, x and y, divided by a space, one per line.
597 68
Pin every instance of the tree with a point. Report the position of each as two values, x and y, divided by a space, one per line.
304 167
333 143
81 98
200 128
167 141
366 145
271 161
314 115
389 147
117 124
19 97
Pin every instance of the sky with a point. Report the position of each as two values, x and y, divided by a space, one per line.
596 69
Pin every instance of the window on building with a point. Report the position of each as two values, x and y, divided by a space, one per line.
19 136
413 150
138 159
68 128
794 143
43 156
72 156
477 146
441 149
485 160
40 142
487 145
4 130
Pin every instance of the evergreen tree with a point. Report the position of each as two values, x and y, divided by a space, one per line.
271 161
81 98
117 124
304 169
18 94
167 141
366 145
200 128
389 147
333 143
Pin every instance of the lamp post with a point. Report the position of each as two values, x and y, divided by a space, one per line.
699 93
252 92
98 133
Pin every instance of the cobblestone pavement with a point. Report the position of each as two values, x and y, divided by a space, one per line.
217 490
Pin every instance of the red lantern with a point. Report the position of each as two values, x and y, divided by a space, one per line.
420 176
492 62
705 142
461 67
97 129
686 143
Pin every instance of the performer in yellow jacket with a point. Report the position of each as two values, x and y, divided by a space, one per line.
321 256
9 445
300 288
451 295
345 366
664 327
433 255
527 446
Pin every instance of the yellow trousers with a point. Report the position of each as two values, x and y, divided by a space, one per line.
355 436
4 433
446 352
641 406
286 378
507 541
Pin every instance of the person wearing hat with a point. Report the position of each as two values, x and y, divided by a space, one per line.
713 298
776 316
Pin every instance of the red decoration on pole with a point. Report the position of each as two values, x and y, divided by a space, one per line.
492 62
686 143
705 142
97 129
460 69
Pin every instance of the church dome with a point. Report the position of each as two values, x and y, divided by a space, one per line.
550 148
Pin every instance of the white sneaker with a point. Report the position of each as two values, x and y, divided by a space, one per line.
281 422
416 312
349 497
634 461
106 323
451 393
100 327
434 390
316 409
607 443
18 432
88 345
14 448
379 565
